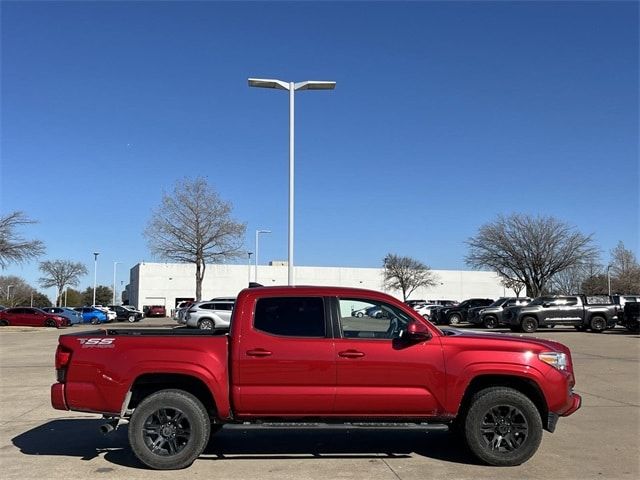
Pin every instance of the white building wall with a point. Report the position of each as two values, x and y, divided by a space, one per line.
162 283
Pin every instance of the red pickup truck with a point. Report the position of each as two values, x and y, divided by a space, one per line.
299 355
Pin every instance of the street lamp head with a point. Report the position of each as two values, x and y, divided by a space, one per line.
268 83
263 231
315 85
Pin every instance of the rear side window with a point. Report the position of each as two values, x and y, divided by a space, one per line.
291 316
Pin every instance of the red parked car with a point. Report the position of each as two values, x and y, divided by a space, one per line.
156 311
31 317
298 354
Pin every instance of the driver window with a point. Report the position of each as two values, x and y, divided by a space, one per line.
370 319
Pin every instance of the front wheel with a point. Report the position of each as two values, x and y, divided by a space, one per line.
50 323
94 321
169 430
502 427
455 319
490 322
529 324
131 318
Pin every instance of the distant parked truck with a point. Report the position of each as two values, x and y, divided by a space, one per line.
579 311
491 316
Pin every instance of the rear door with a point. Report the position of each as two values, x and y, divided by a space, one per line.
284 361
380 375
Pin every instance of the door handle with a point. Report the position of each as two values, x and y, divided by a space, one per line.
351 354
258 352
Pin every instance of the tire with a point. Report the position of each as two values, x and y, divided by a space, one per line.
131 318
454 319
359 314
4 323
598 324
158 440
490 322
502 427
50 324
94 320
529 324
206 324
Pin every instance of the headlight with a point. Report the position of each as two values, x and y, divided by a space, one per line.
555 359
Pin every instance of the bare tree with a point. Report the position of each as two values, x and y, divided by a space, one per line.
13 247
569 281
529 249
516 285
625 270
406 274
194 225
14 291
59 274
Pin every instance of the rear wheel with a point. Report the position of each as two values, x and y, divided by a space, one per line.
50 323
455 319
598 324
131 318
4 323
169 430
529 324
490 322
94 320
502 427
206 324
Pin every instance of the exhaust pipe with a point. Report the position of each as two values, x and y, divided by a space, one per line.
108 427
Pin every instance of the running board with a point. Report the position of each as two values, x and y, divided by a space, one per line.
432 427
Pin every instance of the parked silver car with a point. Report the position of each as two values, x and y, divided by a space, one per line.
210 315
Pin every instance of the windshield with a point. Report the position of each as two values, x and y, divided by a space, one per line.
499 302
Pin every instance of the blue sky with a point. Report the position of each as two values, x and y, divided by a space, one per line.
445 115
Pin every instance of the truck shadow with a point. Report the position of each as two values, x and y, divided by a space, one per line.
81 438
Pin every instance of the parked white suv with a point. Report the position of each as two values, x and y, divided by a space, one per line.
210 315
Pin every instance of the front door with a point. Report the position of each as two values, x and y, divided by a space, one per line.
379 374
285 360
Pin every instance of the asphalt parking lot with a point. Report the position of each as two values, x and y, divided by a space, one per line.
602 440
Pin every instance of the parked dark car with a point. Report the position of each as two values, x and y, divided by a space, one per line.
582 312
631 317
126 313
92 315
491 316
156 311
458 314
69 313
621 301
31 317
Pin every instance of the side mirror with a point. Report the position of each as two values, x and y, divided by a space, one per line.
416 331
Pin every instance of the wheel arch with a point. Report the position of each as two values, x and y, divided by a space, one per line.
150 383
526 386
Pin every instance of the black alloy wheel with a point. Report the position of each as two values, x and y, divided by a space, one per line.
169 430
94 320
529 324
502 427
598 324
490 322
50 323
4 323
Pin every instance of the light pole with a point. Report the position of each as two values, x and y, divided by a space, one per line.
8 290
249 266
292 87
609 278
258 232
95 275
114 282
